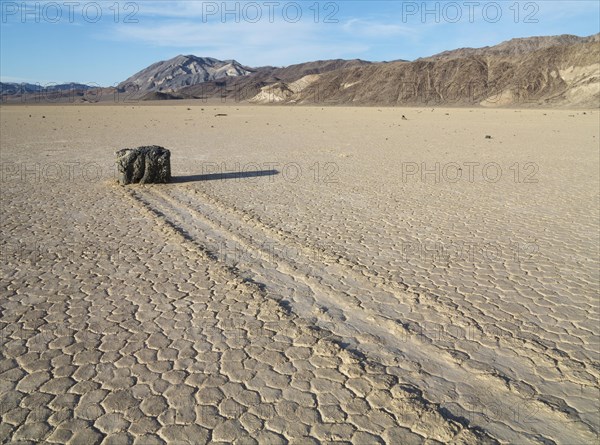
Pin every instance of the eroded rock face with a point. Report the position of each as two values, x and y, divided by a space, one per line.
144 165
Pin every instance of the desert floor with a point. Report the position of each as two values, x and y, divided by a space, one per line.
311 275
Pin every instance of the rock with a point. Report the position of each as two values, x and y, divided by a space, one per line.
144 165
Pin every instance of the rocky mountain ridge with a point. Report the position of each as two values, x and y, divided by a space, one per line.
181 71
553 71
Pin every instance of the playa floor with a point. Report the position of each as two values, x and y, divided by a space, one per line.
312 275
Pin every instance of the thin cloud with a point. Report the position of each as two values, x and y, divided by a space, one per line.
371 29
186 34
251 43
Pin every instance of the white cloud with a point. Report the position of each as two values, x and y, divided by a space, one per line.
190 34
208 11
261 43
181 9
372 29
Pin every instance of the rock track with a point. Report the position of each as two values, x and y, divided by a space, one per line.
383 320
116 329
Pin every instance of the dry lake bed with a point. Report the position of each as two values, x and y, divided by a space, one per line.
311 275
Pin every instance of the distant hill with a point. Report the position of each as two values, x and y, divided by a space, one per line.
14 89
181 71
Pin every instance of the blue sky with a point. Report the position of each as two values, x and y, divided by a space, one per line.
104 42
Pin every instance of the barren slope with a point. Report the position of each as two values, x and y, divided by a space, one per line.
564 75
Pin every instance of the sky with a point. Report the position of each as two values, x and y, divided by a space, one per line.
105 42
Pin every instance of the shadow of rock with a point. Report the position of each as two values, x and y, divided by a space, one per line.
223 176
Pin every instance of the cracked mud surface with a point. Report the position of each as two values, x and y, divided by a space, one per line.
336 297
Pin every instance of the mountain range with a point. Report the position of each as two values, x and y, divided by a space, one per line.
14 88
561 71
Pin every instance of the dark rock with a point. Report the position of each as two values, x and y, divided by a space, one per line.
144 165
